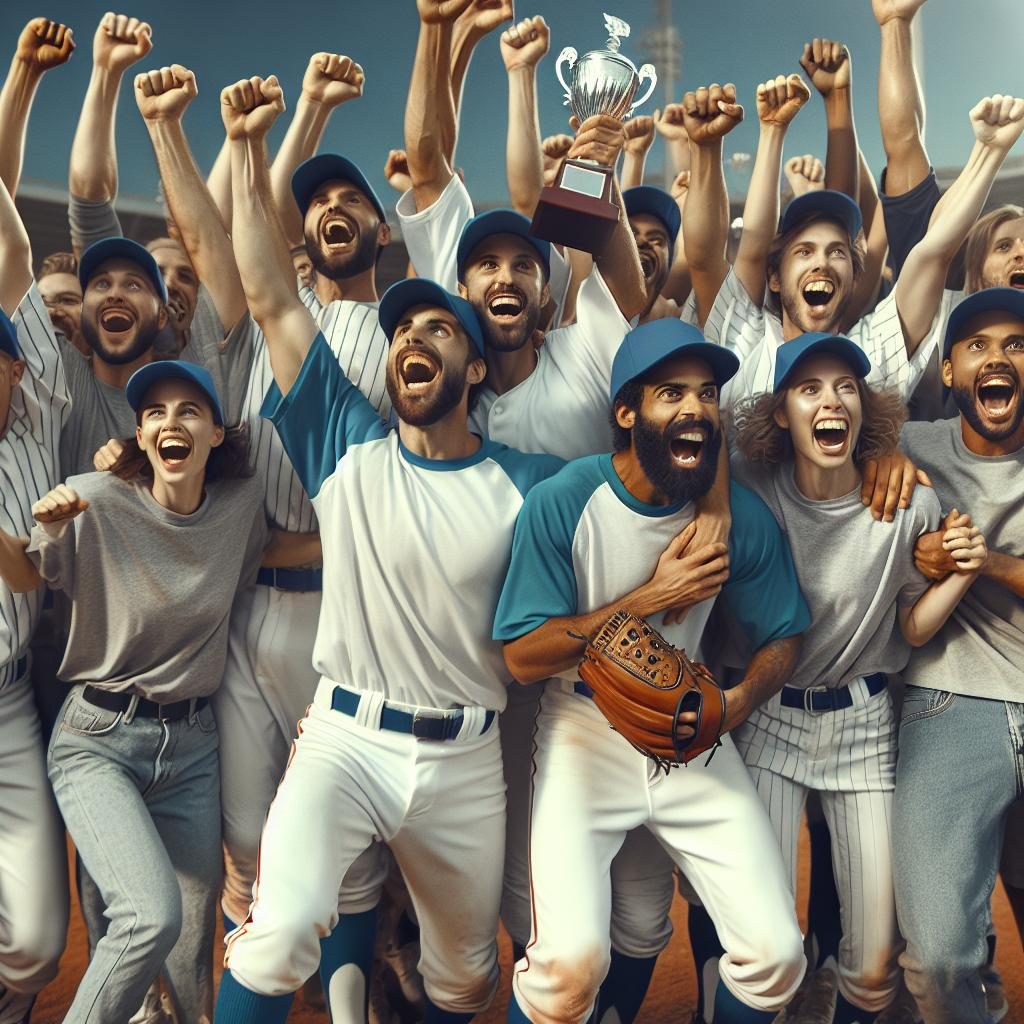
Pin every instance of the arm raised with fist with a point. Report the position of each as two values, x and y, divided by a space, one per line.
163 95
249 109
42 45
640 132
331 79
829 68
708 115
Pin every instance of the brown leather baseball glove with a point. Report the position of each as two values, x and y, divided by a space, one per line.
643 684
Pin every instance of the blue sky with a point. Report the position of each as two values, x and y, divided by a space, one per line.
972 47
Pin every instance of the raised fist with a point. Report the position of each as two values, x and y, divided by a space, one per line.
484 16
332 79
710 113
779 100
670 125
106 457
163 94
524 44
998 121
680 187
639 134
554 149
120 41
887 10
58 505
804 174
599 138
434 12
250 107
827 64
44 44
396 170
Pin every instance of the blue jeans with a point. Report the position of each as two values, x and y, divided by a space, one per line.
960 767
141 800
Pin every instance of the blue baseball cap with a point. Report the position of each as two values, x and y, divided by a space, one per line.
1005 300
418 291
8 337
312 173
658 203
647 345
499 222
791 353
143 379
120 249
825 202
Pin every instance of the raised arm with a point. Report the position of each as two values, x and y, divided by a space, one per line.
804 174
329 81
119 42
779 100
430 106
709 114
522 48
997 122
671 128
162 96
15 257
829 68
900 103
601 138
639 139
219 184
249 108
43 44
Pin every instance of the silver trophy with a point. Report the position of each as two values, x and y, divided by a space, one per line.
604 81
577 210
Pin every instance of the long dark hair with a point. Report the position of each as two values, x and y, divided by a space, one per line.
228 461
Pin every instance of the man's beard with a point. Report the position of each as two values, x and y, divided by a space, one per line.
499 339
426 413
350 264
794 307
654 288
655 456
145 335
964 398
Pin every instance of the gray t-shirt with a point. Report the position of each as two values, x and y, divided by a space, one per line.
853 572
979 652
151 591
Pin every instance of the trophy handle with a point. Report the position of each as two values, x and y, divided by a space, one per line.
647 71
567 56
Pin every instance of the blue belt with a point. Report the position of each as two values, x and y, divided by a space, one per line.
423 725
298 580
822 699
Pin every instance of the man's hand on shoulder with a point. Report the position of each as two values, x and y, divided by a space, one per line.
58 506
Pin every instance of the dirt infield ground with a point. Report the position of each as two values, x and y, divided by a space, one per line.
670 1000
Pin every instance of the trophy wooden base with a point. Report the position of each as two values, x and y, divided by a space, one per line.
577 210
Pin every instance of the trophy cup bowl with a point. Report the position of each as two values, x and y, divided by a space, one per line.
577 210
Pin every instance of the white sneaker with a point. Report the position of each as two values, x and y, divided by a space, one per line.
154 1009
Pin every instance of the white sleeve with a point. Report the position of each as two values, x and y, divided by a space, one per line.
558 283
308 298
735 321
689 312
880 334
44 390
432 235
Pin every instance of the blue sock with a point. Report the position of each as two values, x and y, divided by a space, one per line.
729 1010
237 1004
706 948
515 1012
847 1013
351 942
435 1015
229 925
823 920
625 986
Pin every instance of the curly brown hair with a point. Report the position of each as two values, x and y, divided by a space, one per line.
230 460
761 439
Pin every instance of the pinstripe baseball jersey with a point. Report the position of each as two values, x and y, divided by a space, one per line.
432 235
584 541
415 549
354 336
755 334
28 461
853 569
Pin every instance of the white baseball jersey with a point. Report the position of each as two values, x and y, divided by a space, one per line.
415 550
29 461
755 334
432 235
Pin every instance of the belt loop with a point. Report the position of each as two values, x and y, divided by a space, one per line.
133 704
369 711
472 723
